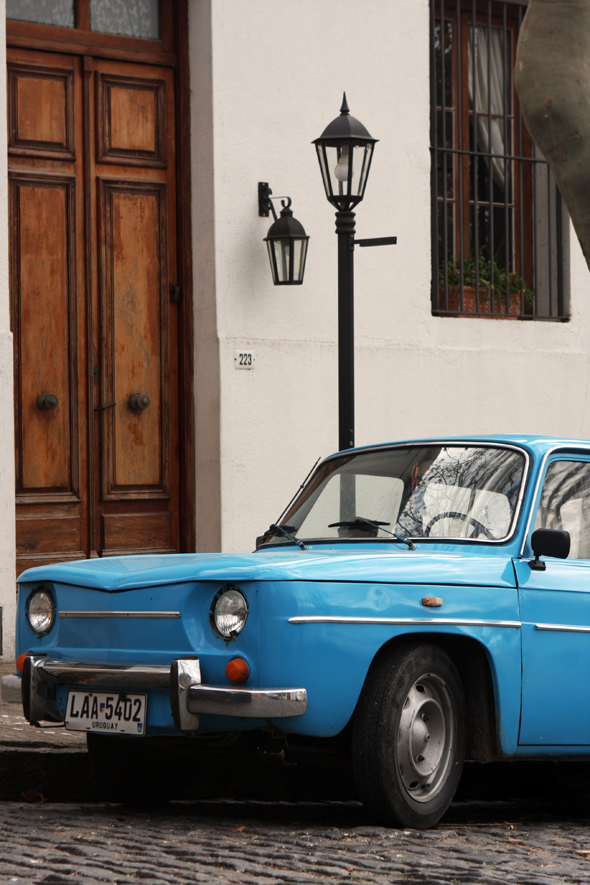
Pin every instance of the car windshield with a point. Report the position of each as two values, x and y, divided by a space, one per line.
445 492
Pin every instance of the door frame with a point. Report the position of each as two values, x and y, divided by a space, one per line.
173 51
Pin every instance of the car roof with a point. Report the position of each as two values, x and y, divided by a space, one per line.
534 443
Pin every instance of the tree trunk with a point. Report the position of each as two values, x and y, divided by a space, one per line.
552 79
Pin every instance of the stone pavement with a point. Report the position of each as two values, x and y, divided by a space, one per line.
507 827
285 844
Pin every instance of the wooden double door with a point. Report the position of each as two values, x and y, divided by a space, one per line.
91 148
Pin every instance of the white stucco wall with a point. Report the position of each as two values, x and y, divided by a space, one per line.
277 73
7 516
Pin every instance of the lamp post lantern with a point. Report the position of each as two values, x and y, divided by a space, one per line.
345 151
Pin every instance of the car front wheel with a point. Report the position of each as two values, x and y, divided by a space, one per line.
408 741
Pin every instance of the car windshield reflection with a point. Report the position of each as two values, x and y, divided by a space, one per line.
448 492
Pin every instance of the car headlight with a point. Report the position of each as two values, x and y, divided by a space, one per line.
41 610
229 612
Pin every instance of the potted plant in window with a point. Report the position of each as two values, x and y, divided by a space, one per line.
508 293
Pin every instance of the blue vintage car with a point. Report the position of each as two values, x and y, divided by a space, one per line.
418 603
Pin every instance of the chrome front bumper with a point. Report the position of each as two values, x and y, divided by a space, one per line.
188 696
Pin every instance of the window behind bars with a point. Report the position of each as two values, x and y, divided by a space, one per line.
499 229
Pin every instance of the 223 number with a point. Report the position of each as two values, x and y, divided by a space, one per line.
244 359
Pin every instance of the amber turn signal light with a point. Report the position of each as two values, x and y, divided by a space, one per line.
237 670
432 601
20 661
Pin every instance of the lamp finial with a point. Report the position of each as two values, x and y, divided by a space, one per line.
344 109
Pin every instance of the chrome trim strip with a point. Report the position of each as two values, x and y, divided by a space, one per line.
562 628
574 449
121 614
252 703
83 673
403 622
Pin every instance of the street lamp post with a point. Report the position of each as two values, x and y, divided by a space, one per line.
345 151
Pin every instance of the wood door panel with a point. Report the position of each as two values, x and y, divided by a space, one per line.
38 535
92 194
133 276
131 120
43 295
136 532
41 111
24 561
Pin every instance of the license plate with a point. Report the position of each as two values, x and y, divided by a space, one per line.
106 712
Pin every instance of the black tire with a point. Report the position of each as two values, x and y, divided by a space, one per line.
131 770
408 741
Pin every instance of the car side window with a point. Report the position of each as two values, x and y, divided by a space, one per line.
565 504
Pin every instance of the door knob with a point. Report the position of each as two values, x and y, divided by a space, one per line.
47 401
139 401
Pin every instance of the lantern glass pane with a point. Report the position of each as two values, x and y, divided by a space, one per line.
337 160
345 169
282 250
361 163
271 258
299 253
324 169
342 170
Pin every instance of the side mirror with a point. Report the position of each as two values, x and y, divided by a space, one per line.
549 542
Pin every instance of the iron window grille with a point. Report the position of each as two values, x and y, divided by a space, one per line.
499 228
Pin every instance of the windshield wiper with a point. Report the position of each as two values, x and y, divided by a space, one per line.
287 531
378 525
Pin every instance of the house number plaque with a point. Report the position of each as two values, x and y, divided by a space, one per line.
244 359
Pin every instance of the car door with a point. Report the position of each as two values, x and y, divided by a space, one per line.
555 614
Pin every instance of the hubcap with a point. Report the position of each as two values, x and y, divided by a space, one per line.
426 737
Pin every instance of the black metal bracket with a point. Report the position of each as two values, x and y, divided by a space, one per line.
376 241
174 293
265 198
264 202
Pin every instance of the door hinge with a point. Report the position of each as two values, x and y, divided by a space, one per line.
174 293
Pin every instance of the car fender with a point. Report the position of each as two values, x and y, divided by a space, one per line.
324 637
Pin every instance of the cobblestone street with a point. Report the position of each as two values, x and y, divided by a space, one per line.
65 835
240 842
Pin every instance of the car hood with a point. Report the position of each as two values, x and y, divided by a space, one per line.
422 566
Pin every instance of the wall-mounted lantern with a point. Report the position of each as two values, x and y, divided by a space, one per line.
286 239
